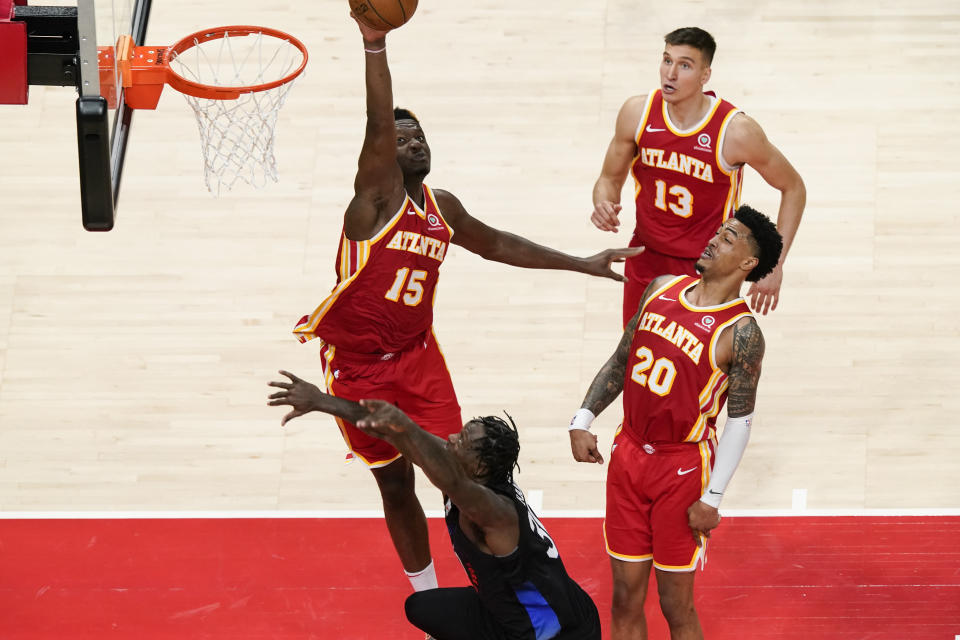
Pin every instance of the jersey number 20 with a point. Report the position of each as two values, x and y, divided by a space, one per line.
657 375
414 290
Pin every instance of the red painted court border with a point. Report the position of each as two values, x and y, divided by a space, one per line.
809 577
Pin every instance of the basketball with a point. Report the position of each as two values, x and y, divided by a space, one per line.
383 15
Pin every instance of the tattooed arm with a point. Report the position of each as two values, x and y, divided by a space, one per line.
607 385
744 374
748 348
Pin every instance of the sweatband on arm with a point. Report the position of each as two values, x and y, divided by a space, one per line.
733 442
582 420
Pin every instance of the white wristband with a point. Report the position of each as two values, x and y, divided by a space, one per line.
733 442
581 420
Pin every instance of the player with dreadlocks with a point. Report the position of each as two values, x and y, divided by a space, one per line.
520 588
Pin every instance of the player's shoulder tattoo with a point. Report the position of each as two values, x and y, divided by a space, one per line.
748 349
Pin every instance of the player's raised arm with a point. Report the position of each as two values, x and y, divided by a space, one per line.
501 246
444 467
378 186
746 143
616 166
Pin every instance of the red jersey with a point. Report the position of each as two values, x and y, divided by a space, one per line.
673 388
684 188
383 300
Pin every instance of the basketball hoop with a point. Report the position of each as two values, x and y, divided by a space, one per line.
235 79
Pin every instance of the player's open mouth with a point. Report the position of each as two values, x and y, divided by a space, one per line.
706 253
668 88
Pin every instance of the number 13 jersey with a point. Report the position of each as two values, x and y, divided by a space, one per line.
383 300
673 388
684 188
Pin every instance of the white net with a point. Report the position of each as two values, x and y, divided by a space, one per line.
237 136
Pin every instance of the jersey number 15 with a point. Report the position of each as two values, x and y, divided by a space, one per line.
414 288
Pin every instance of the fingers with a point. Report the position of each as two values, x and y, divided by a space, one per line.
596 457
292 377
604 216
290 416
696 537
602 223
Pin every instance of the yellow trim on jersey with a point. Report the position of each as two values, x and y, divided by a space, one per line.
707 412
436 205
661 290
306 329
718 153
733 195
704 122
716 336
643 120
621 556
714 308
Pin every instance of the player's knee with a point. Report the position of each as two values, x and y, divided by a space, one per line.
627 600
677 608
418 607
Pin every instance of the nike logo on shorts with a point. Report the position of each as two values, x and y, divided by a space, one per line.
681 472
650 129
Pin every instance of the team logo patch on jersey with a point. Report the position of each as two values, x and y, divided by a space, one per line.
703 143
706 323
433 222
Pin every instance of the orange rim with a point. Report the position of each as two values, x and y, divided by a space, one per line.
212 92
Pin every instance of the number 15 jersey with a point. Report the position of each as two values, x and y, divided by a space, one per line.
383 300
673 388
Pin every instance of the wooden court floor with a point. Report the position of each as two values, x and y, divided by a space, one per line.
133 365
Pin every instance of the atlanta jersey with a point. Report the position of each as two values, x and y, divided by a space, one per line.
383 300
684 188
673 388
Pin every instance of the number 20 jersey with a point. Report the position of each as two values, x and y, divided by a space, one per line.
383 300
684 188
673 388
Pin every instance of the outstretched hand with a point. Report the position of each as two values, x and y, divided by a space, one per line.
583 444
599 264
369 33
384 419
303 396
765 293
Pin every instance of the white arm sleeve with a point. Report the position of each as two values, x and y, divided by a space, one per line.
733 442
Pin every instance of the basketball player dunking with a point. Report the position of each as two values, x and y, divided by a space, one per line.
376 325
686 150
690 342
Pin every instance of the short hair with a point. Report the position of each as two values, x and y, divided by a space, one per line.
765 240
694 37
498 450
404 114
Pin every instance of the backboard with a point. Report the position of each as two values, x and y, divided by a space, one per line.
103 120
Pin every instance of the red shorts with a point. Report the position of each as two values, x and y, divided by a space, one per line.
641 270
648 495
416 380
